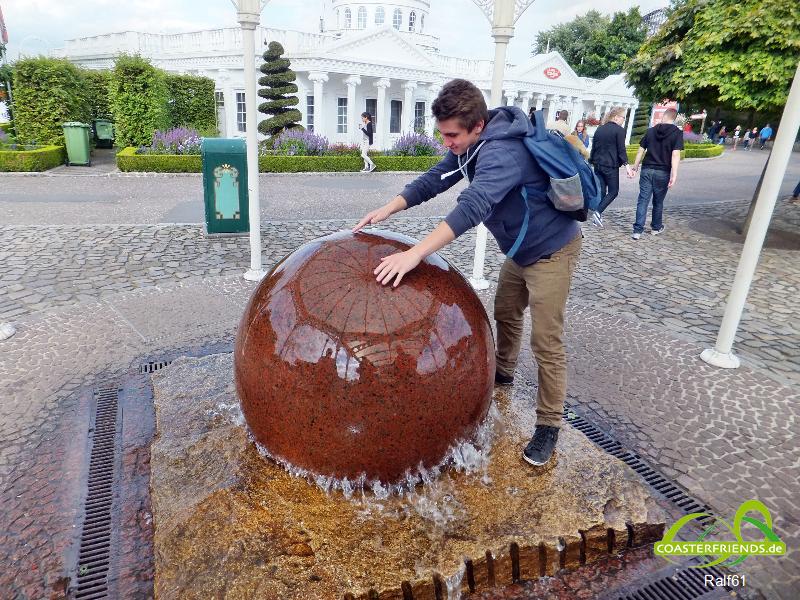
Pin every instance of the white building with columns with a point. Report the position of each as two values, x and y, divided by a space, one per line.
369 55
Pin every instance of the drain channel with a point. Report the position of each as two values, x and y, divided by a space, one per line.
652 477
675 584
95 547
152 367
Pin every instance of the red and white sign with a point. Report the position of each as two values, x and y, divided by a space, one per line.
552 73
3 30
659 109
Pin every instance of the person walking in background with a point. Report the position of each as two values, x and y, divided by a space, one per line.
736 133
366 141
713 130
607 156
764 136
753 138
663 144
723 133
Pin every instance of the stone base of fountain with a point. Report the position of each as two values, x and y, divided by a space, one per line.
229 523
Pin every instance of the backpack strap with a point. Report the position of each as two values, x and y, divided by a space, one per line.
524 229
538 123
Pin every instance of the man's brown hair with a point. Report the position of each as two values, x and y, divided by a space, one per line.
670 114
461 100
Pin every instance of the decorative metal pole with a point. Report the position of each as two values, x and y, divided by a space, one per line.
721 355
249 15
502 14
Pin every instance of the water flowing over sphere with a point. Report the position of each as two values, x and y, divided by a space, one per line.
344 377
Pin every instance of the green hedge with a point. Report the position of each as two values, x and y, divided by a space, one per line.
96 92
41 159
47 93
689 151
128 160
6 127
138 96
191 103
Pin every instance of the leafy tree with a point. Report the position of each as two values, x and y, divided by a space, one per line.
277 89
47 93
138 97
739 53
595 45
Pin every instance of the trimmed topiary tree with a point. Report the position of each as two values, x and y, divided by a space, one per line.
192 103
641 121
47 93
138 96
277 88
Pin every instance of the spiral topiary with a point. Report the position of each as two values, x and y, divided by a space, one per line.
277 88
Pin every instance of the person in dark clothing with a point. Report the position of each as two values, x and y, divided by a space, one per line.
607 156
506 186
663 144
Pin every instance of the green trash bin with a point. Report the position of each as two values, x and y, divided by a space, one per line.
104 133
76 137
225 185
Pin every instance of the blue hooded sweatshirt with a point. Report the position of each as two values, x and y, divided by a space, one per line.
498 166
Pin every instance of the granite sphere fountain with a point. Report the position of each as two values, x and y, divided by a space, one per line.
347 378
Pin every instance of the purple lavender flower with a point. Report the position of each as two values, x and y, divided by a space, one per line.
296 142
417 144
178 140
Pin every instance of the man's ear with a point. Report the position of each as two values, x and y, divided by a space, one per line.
479 126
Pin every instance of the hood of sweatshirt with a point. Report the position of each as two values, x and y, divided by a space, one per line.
664 130
507 122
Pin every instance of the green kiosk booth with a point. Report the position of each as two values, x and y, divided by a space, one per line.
225 185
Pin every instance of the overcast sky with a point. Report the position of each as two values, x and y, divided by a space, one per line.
37 26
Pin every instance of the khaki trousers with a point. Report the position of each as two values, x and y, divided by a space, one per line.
544 287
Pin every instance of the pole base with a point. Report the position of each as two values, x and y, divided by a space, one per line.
254 275
479 284
720 359
6 331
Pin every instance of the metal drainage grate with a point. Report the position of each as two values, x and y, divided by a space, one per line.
152 367
677 584
652 477
95 547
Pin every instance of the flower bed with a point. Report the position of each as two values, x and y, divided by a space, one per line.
129 161
31 160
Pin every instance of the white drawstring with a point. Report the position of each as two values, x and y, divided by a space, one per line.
463 168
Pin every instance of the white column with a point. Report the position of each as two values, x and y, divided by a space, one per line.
577 110
629 129
550 114
353 114
526 102
721 355
248 17
430 122
408 106
383 114
229 97
318 79
511 97
540 101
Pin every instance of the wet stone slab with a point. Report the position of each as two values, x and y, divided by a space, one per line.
230 523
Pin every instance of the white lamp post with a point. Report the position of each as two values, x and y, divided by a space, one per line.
721 355
502 14
249 15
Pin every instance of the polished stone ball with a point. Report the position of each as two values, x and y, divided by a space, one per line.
345 377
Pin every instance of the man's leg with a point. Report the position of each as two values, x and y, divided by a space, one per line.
796 192
645 192
510 302
611 184
548 286
660 181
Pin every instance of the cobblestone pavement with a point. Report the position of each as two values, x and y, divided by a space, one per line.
89 302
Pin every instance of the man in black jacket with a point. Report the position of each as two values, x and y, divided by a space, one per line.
663 144
607 156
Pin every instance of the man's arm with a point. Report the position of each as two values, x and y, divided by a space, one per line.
396 204
638 160
673 174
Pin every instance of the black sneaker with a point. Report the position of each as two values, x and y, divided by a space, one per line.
540 448
500 379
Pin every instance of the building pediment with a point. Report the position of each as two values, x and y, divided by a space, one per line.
547 69
382 46
613 85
